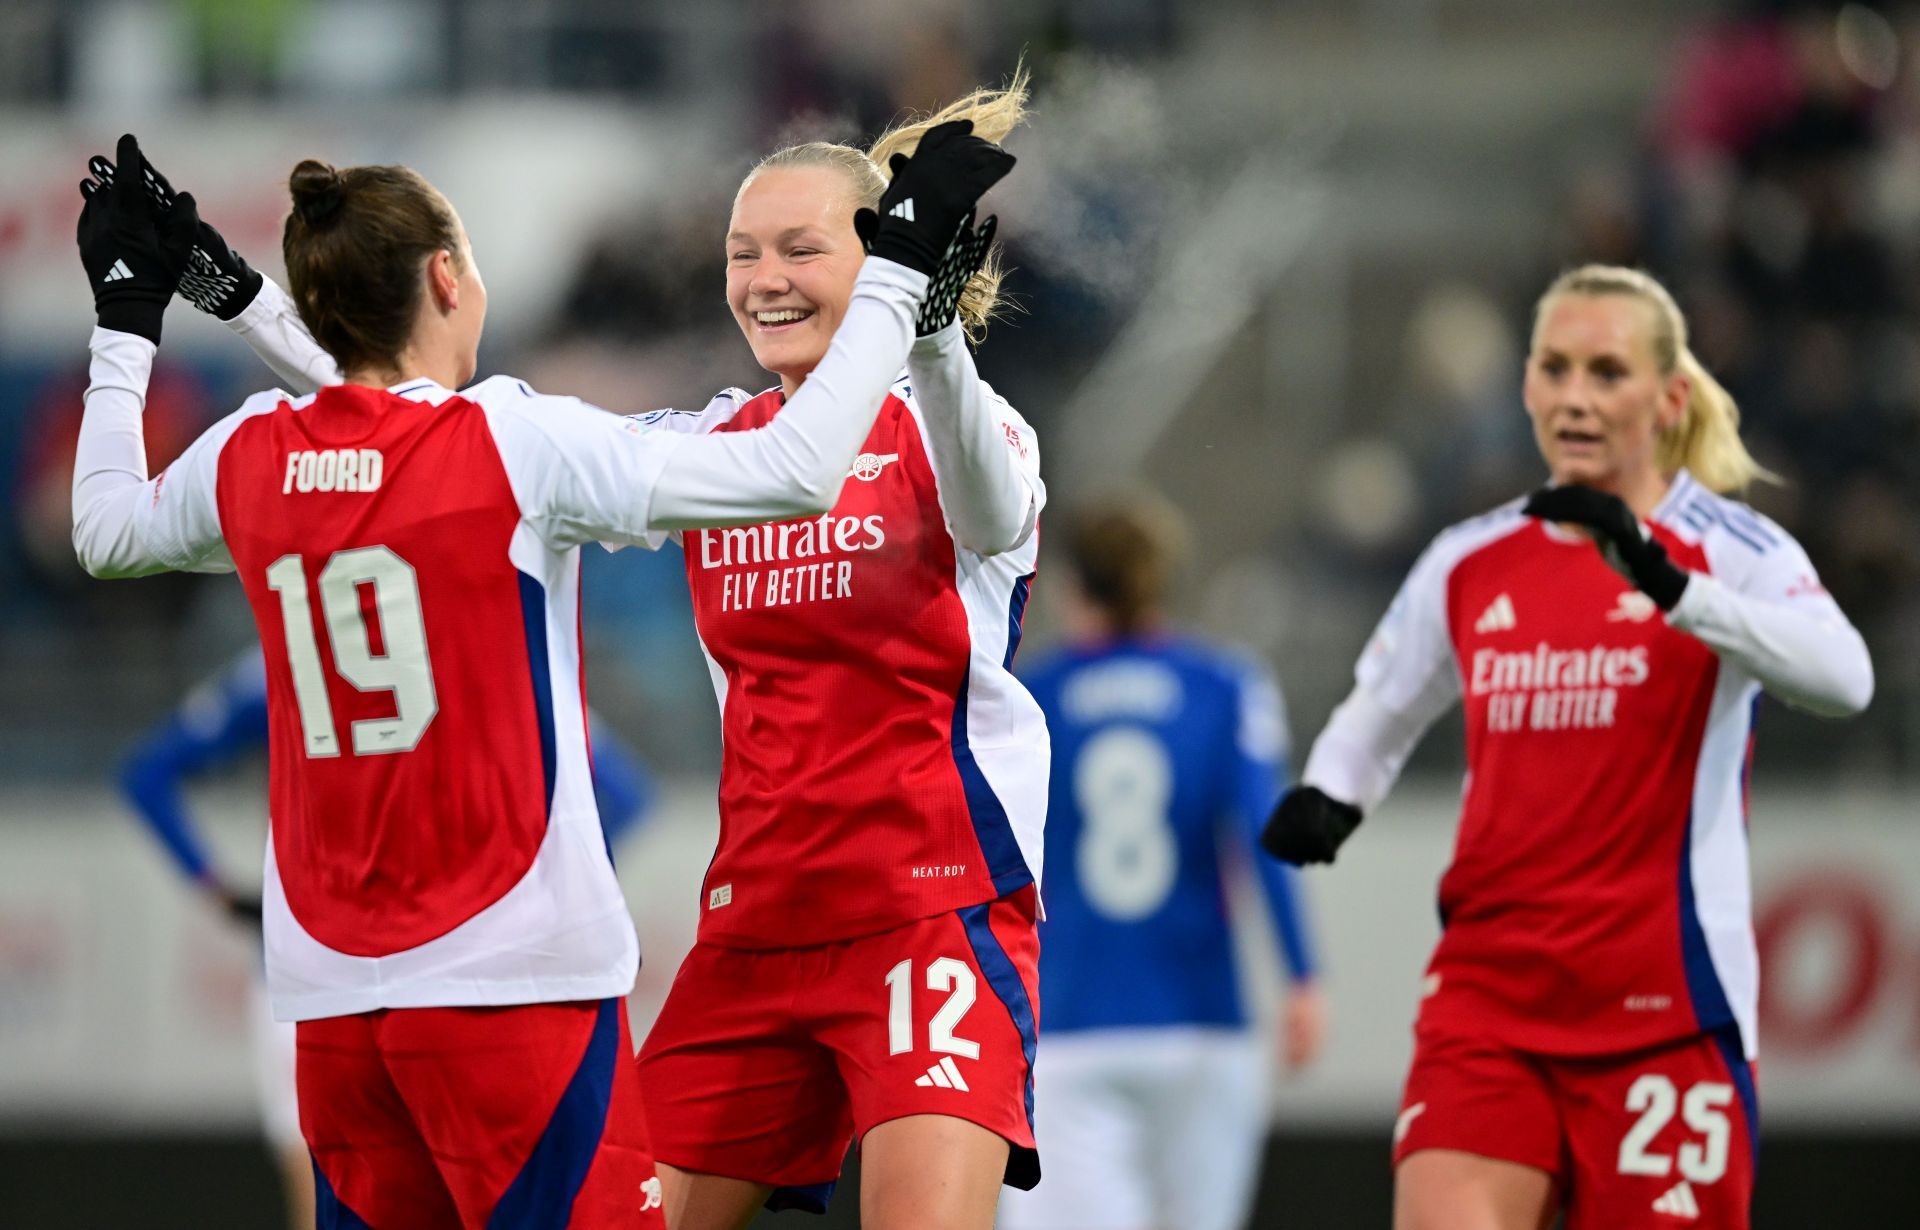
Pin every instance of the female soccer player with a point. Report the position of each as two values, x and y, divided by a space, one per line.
865 965
1154 1090
441 914
1586 1035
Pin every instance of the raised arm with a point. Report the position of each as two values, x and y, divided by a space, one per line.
125 524
796 464
984 456
271 325
220 282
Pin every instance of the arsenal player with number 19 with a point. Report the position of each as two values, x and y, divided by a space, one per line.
1587 1030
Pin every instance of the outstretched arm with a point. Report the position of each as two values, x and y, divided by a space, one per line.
219 281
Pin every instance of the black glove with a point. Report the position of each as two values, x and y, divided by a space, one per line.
218 279
930 201
963 259
1629 549
134 258
1307 826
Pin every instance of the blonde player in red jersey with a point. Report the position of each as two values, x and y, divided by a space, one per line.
441 914
865 969
1586 1035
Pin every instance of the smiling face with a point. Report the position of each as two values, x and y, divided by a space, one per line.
1596 394
792 256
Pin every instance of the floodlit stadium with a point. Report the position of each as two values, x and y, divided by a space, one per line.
1271 320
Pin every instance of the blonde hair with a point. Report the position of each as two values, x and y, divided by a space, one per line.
994 113
1706 440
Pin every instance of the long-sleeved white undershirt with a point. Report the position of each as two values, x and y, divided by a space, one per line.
990 500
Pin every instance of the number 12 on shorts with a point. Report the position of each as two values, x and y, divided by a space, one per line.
947 974
1653 1098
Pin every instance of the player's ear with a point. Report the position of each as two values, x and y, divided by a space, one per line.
443 280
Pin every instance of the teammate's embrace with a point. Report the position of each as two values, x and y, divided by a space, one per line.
441 913
1587 1031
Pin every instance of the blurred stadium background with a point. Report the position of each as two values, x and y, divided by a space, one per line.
1275 258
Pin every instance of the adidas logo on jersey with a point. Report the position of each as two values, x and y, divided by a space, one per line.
1498 617
1678 1201
945 1075
903 211
118 273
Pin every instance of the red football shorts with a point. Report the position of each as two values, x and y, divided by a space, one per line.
1664 1136
526 1116
766 1064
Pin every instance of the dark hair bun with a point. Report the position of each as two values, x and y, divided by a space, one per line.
318 192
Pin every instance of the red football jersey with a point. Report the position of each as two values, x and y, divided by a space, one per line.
1598 897
881 762
412 560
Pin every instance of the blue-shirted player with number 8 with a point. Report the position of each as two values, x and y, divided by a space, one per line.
1153 1085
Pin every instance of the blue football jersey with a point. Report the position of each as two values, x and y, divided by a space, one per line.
1167 757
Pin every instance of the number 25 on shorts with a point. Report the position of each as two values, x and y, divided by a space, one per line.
1704 1109
947 974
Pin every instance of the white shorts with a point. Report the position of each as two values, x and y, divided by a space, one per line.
1145 1128
272 1046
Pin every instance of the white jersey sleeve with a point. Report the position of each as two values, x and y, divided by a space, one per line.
582 474
725 404
1407 675
271 325
986 461
1763 610
124 523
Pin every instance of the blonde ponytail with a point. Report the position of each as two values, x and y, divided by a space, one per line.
1706 441
994 113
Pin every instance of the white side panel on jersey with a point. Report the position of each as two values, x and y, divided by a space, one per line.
1005 727
1717 850
1006 730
